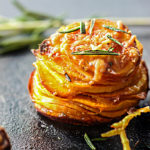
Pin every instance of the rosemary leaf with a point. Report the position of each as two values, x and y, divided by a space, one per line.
88 141
98 139
114 29
71 30
82 28
110 49
114 40
92 26
94 52
110 64
67 77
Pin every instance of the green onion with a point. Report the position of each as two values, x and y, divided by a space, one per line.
82 28
88 141
92 26
71 30
114 40
67 77
110 49
114 29
98 139
94 52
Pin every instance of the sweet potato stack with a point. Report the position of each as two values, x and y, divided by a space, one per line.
88 89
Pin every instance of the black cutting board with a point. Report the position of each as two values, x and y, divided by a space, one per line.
30 130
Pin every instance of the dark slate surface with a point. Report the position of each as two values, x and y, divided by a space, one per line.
29 130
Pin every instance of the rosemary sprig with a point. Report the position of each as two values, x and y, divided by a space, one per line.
98 139
110 49
115 29
114 40
88 141
92 26
70 30
67 77
94 52
82 28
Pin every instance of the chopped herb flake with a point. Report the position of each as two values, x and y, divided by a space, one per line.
114 40
92 26
67 77
82 28
88 141
98 139
110 49
115 29
94 52
70 30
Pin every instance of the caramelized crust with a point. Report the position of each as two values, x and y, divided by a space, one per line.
98 88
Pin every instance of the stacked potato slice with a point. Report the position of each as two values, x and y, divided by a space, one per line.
88 89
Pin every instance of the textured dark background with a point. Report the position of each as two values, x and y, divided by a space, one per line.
28 129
